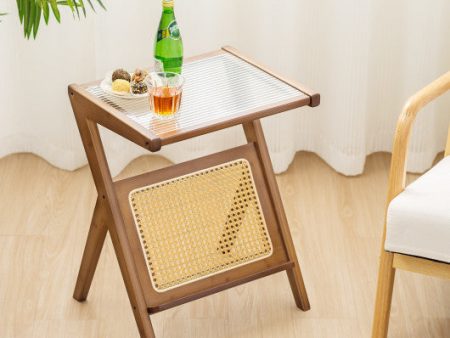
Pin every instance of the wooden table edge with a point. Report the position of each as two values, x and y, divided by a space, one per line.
313 96
227 122
155 142
119 122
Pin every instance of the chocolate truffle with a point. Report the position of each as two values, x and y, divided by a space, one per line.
121 74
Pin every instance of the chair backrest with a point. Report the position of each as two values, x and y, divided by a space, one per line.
404 125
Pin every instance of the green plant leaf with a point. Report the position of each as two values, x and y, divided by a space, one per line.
26 17
37 21
45 10
31 11
71 4
31 18
91 5
20 9
101 4
3 14
78 12
55 10
83 8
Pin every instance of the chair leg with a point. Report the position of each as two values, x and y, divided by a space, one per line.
386 276
92 250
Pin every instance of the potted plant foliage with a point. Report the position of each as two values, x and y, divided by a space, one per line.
31 12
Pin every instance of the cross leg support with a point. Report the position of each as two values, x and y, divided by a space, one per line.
254 133
94 243
98 163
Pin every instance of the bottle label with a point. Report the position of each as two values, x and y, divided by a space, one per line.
172 32
169 64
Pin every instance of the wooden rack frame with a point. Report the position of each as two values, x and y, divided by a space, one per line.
110 213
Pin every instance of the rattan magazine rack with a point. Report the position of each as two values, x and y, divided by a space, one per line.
199 227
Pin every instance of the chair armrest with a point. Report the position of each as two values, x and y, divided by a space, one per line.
403 130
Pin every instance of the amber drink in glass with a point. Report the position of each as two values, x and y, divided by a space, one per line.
165 91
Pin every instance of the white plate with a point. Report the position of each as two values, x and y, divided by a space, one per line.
106 86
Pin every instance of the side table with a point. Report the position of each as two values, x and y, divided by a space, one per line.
199 227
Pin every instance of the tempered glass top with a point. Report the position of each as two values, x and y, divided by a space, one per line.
217 87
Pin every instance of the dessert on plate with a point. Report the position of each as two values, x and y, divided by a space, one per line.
121 86
138 85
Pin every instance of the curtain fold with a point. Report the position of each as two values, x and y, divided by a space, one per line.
365 58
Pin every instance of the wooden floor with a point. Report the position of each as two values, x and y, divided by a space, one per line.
336 223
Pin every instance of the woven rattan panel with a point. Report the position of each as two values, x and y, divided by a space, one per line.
217 87
200 224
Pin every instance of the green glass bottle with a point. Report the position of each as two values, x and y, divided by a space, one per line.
168 42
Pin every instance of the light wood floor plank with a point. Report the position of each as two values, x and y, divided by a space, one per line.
336 223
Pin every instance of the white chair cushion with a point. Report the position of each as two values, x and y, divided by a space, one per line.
418 219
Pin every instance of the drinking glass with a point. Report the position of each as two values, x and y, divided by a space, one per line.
164 89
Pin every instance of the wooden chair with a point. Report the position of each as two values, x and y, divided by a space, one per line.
414 238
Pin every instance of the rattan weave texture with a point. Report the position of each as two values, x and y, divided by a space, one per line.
198 225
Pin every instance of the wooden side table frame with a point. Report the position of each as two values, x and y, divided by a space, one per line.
112 210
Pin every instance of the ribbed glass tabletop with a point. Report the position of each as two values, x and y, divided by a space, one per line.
217 87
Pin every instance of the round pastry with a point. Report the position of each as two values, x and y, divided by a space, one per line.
121 86
139 75
138 87
121 74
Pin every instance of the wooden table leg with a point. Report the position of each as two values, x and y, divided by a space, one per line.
98 163
102 176
254 133
94 243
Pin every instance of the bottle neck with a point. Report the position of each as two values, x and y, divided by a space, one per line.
168 7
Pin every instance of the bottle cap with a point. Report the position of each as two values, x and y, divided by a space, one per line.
168 3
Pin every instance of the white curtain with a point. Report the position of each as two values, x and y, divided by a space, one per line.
365 57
